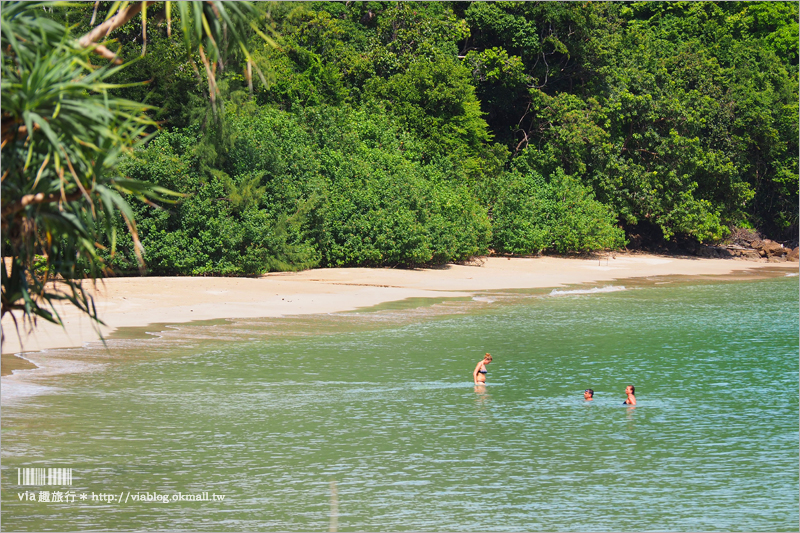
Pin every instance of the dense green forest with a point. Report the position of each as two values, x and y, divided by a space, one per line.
415 133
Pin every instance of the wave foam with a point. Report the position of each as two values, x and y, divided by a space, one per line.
594 290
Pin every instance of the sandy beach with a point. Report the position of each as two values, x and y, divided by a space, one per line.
139 301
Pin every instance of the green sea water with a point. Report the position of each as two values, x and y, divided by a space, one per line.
370 421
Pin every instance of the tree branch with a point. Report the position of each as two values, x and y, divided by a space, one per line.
104 29
108 54
38 198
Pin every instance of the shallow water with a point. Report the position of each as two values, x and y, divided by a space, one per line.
369 420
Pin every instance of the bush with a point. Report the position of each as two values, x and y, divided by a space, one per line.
400 219
326 186
533 215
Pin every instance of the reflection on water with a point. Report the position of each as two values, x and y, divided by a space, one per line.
334 507
369 420
480 391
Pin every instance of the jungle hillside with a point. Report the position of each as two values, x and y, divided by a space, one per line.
420 133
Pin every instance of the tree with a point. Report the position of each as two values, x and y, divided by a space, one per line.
63 135
682 116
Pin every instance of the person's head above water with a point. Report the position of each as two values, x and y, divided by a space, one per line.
588 394
631 399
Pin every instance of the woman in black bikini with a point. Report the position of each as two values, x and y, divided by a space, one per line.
479 374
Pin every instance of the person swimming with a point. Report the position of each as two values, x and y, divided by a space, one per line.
479 374
631 399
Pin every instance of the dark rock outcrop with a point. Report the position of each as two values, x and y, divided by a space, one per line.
749 245
714 252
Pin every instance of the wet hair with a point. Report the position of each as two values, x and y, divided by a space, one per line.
590 391
633 389
488 356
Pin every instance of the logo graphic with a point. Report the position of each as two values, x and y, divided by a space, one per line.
44 476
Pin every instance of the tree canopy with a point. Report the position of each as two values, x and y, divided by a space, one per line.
385 133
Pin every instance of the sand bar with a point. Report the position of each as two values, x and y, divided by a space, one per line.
139 301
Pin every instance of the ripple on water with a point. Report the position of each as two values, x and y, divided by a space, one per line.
387 410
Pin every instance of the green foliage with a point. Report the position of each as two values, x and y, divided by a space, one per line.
385 204
709 96
681 115
219 228
412 32
394 216
534 215
63 135
435 100
502 86
170 75
678 117
331 186
307 69
65 130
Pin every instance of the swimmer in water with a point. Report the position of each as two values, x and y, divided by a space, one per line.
479 374
588 395
631 399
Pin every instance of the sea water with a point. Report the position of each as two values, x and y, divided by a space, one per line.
370 420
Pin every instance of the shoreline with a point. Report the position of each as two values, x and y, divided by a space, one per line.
141 301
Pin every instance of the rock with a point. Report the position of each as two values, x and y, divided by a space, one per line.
715 252
773 249
705 251
746 254
768 248
794 255
751 255
748 239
